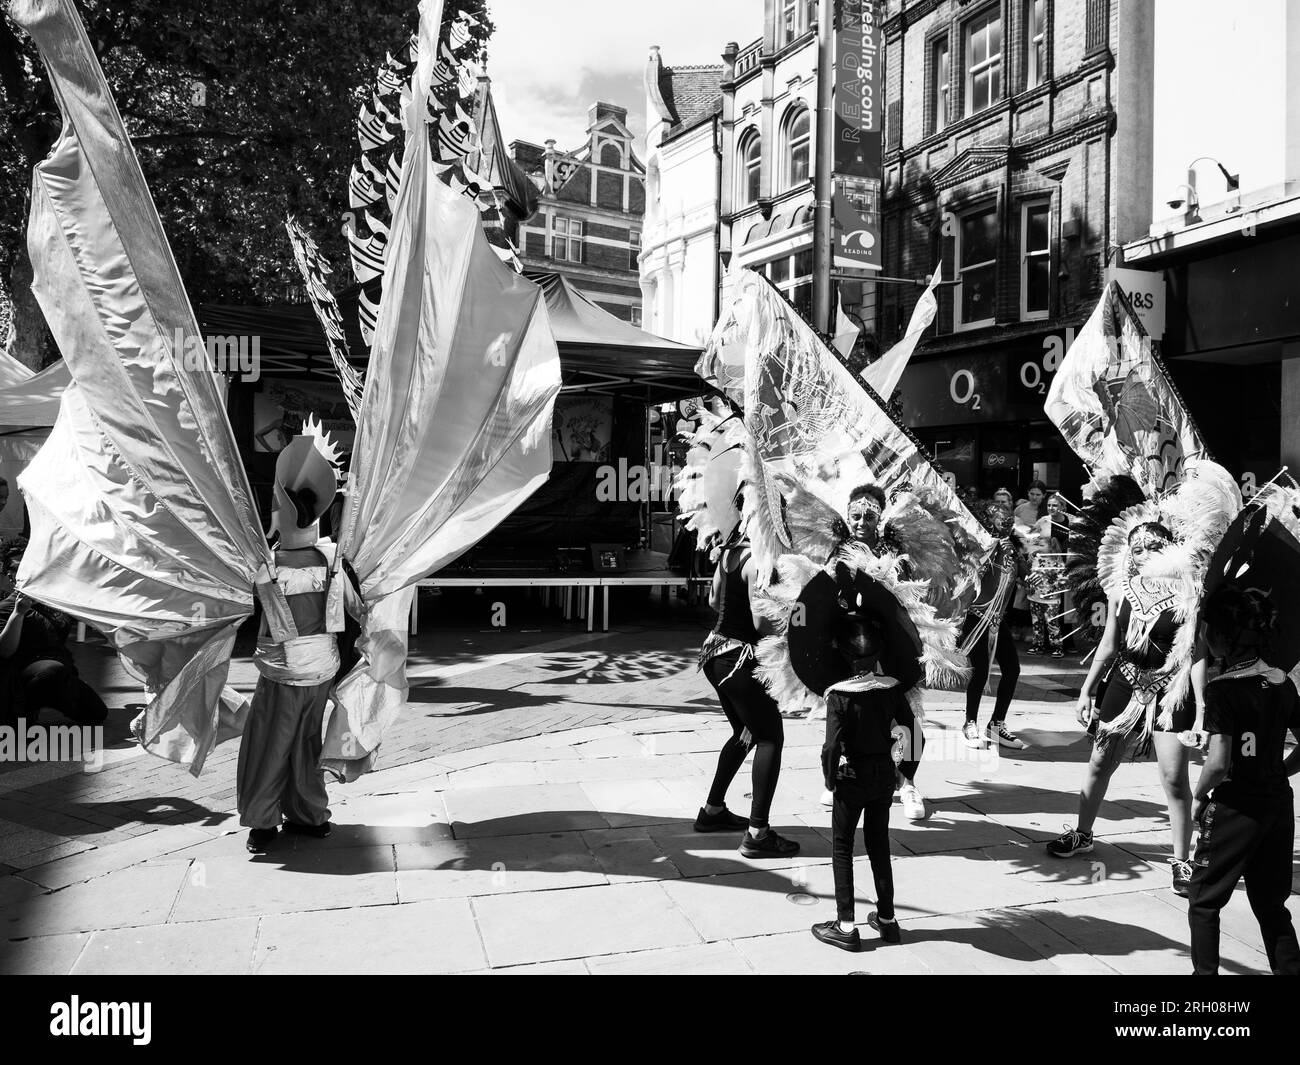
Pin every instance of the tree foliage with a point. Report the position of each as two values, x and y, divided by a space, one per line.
240 110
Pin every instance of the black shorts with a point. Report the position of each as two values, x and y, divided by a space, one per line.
1118 693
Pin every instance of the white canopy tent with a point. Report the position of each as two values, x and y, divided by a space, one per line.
29 403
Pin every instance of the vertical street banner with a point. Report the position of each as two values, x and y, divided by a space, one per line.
859 135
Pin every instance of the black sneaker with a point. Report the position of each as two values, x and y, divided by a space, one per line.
768 845
1057 652
889 930
723 821
1069 843
1182 871
829 933
260 840
315 831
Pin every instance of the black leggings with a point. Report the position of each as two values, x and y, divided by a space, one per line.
1255 844
747 705
1008 659
868 797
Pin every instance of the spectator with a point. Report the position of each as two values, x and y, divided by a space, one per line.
36 667
1035 507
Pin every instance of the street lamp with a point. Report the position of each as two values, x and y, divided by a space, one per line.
1233 180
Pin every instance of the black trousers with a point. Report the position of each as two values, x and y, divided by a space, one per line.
1008 660
866 797
747 705
1254 842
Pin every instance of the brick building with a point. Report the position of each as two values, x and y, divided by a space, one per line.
1018 151
591 200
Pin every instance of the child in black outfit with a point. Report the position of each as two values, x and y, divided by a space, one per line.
858 766
1243 799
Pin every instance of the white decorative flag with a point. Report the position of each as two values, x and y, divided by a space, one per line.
884 374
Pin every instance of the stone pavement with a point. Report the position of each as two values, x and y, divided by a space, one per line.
570 850
471 685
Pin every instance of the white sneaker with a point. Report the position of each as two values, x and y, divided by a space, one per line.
828 798
913 803
998 734
972 733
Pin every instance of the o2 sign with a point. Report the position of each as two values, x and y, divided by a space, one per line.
961 387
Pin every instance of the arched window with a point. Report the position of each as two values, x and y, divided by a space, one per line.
611 156
751 167
797 143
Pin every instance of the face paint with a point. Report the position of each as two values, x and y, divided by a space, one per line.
1144 544
864 517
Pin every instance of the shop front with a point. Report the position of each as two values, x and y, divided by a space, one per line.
979 414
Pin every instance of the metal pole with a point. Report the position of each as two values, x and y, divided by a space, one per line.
823 250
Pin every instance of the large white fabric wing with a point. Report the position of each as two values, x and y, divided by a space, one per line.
454 428
142 519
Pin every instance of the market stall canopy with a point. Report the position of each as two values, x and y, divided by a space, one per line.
599 353
30 399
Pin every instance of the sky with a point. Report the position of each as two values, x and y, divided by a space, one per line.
550 61
1219 71
1220 91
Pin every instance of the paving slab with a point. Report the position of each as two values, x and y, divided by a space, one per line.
580 923
708 959
223 948
514 811
89 864
287 881
629 854
468 868
126 898
42 955
1139 934
420 937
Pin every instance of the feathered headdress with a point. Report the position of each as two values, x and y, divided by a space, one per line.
943 664
708 484
1197 512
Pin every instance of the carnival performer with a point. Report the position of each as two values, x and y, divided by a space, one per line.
727 660
280 778
986 636
874 663
866 506
1150 564
1243 797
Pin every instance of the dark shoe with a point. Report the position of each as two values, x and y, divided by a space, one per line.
1069 843
889 930
768 845
1034 650
1182 876
723 821
314 831
1057 652
829 933
260 840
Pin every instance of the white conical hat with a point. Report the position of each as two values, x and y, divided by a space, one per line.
306 477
